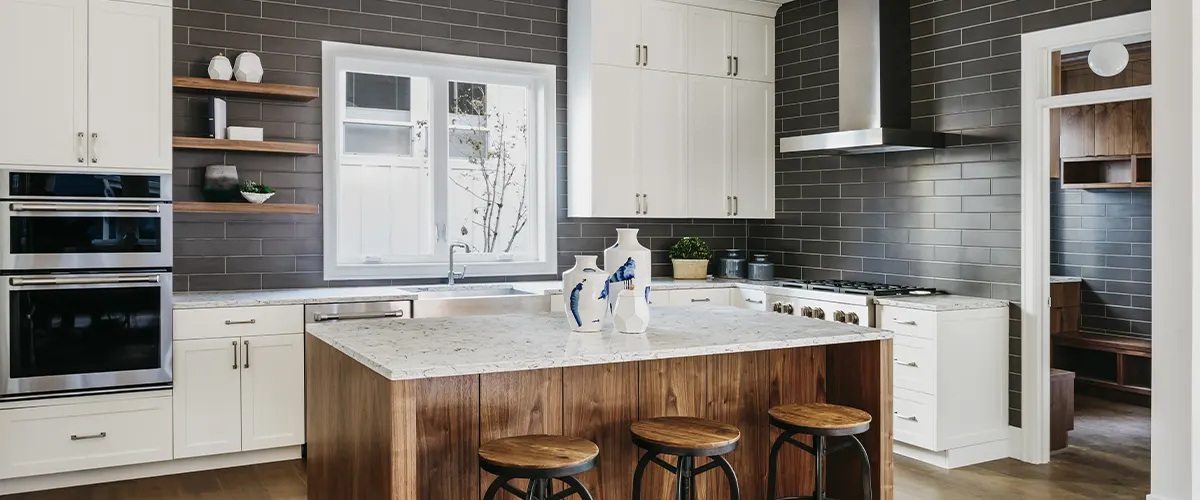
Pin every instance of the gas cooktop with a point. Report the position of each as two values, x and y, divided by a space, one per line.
857 287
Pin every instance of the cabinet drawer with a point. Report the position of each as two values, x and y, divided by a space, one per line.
69 437
913 418
749 299
238 322
706 296
660 297
909 322
915 365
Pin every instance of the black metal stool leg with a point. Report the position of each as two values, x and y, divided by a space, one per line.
868 490
494 488
735 492
772 470
532 494
819 487
637 474
575 485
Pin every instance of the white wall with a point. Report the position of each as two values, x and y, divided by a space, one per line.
1175 473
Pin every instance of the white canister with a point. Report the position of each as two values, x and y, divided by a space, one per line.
583 301
248 68
627 261
219 68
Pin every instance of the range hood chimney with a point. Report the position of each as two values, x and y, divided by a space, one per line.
874 85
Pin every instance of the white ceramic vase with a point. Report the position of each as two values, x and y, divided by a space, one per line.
248 68
582 286
219 68
627 260
632 312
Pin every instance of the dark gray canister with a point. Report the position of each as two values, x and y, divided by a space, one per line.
761 269
733 265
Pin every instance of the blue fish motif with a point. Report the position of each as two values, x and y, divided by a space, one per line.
647 295
622 274
575 303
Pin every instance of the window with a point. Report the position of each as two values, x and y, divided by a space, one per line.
429 150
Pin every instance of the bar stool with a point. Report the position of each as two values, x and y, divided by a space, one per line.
540 459
820 421
686 438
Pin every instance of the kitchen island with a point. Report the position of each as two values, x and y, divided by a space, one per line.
397 409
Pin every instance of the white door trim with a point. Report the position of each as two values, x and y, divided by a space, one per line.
1036 103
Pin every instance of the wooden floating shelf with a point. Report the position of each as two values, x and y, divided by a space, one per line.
246 89
292 148
201 207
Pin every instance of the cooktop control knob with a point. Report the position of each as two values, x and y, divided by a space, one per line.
818 313
806 312
789 309
852 318
777 307
839 316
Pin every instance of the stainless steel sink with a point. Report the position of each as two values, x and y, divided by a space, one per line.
476 302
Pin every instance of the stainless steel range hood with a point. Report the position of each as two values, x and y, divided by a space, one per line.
874 85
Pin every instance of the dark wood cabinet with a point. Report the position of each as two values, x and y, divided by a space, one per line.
1114 128
1078 132
1106 145
1142 137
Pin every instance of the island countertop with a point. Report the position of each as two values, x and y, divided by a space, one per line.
404 349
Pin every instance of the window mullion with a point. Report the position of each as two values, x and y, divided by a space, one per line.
438 160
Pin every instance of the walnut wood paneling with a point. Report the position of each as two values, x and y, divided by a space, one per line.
1143 137
447 424
738 394
517 404
860 375
671 388
600 402
1078 132
797 376
1114 128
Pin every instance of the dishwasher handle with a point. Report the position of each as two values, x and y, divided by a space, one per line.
320 317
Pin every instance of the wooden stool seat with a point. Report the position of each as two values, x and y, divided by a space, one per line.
538 453
686 435
820 419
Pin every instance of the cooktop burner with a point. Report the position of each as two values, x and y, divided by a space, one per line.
857 287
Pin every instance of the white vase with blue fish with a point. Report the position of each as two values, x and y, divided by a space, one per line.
626 261
583 286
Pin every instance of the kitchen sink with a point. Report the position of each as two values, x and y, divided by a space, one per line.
440 303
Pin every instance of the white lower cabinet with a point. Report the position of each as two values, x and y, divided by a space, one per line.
701 296
71 436
238 394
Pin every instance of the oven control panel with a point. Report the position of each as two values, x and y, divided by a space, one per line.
841 313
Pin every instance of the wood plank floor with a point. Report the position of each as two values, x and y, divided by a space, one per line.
1108 459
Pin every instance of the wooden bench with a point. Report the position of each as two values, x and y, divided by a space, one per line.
1108 366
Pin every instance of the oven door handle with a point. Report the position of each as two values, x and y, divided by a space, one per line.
86 207
99 280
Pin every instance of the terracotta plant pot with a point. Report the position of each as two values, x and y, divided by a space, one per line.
689 269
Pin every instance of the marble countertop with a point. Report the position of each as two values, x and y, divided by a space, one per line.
941 302
209 300
403 349
1066 279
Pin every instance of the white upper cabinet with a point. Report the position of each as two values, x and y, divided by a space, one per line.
43 96
664 36
754 48
129 85
95 88
655 126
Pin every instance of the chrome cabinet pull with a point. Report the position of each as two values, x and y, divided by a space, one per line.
85 437
645 204
95 139
728 205
235 355
702 300
904 322
736 66
84 207
906 363
79 147
247 344
150 278
735 206
637 197
250 321
637 52
752 301
728 65
646 55
910 418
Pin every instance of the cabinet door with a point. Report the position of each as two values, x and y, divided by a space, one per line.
710 47
710 156
129 85
664 150
615 141
1077 133
1142 132
1114 128
616 32
207 404
43 93
754 48
753 149
272 391
665 36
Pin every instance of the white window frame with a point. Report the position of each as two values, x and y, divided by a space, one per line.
539 79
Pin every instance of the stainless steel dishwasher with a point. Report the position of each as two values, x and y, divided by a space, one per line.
322 313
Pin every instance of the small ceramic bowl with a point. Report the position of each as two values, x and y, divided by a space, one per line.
257 198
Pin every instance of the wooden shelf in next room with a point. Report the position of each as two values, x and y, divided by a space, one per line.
246 89
1096 172
291 148
201 207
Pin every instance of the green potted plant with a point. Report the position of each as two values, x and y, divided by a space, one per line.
689 259
256 193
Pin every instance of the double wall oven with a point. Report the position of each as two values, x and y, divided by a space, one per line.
85 279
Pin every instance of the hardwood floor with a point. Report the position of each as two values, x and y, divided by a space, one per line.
1108 459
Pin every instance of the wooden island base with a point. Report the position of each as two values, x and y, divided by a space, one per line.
369 437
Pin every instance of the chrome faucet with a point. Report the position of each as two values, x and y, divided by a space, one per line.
453 275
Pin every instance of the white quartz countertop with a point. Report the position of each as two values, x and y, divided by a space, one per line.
403 349
941 302
1065 279
207 300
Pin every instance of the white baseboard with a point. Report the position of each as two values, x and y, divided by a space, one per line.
1155 497
957 457
108 475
